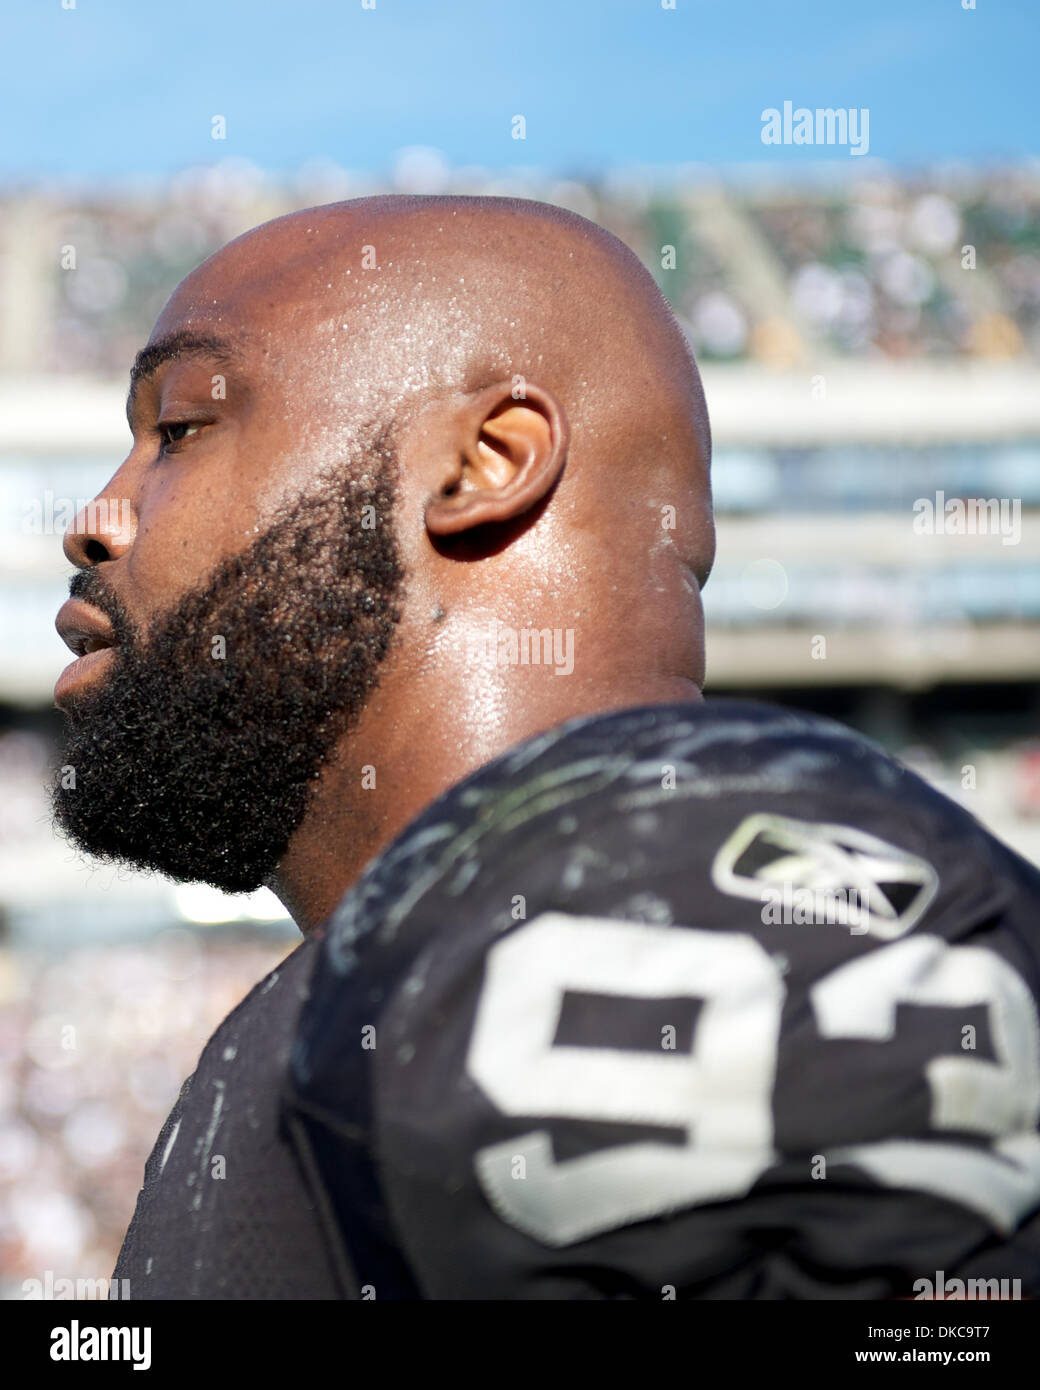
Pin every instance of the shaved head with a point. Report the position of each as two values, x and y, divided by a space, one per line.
542 468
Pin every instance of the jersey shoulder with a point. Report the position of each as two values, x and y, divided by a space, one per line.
664 981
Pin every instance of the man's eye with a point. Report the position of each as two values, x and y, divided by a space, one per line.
173 433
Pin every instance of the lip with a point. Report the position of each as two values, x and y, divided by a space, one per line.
88 634
84 671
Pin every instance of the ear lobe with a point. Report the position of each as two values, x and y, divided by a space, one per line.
512 454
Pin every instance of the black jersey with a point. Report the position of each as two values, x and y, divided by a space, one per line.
693 1001
223 1212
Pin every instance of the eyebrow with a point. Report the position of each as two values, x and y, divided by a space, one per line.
182 343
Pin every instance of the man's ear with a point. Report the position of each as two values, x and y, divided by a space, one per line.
509 454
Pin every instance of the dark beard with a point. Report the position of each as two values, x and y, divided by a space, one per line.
199 766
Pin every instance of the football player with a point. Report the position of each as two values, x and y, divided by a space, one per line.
605 991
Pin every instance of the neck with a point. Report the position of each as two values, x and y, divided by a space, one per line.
401 757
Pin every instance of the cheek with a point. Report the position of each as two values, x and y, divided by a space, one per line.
277 481
186 529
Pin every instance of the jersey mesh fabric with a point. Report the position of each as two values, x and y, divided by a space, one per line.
252 1233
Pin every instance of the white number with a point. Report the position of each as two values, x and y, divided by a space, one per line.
720 1094
1000 1099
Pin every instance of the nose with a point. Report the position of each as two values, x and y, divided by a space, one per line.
102 530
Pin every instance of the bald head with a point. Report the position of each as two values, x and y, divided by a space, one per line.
430 475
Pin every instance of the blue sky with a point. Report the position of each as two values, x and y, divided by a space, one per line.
125 89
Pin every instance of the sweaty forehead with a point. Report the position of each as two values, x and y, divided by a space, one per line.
311 298
246 298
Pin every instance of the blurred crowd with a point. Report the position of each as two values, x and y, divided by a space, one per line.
878 264
94 1047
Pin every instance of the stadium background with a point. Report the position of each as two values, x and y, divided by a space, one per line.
853 365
